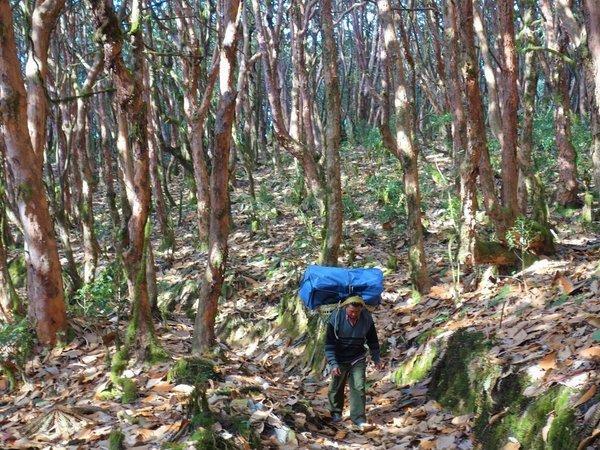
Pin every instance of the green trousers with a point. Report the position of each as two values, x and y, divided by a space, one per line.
355 376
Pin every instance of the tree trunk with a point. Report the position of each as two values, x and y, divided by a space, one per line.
592 13
509 98
86 178
494 114
454 88
43 21
108 175
567 186
298 150
335 211
134 161
407 149
476 137
45 287
204 325
10 303
530 78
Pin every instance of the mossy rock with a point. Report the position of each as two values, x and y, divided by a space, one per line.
525 420
418 367
466 379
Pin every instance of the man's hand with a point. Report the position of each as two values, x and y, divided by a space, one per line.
336 372
379 365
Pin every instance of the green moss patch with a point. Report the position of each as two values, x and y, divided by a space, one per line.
544 423
466 379
417 368
193 371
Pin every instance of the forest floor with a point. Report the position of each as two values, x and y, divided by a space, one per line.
545 321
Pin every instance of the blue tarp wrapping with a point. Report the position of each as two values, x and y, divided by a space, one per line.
322 285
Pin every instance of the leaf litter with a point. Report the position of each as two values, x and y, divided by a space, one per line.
549 329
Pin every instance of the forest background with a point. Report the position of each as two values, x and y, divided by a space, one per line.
173 161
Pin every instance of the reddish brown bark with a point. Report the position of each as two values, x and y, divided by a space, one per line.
43 21
454 86
476 137
204 325
45 287
134 160
567 186
592 12
335 212
406 147
509 98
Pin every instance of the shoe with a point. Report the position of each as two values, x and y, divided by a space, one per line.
336 418
363 425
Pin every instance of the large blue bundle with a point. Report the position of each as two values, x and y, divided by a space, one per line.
322 285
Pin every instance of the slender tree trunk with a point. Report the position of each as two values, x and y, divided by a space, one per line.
204 326
476 137
530 78
108 175
592 13
567 186
335 211
454 87
494 114
43 21
510 103
299 151
10 303
86 177
166 232
45 287
58 206
407 149
134 162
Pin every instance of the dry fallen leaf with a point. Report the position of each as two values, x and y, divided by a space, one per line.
587 396
340 435
565 284
591 352
548 361
512 446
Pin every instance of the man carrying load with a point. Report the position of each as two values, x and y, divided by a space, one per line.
350 327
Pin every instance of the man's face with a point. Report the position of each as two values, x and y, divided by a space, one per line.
353 311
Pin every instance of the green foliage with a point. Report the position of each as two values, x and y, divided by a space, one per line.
99 298
351 209
116 440
417 368
434 123
193 371
18 271
130 391
368 137
500 297
389 193
16 341
520 235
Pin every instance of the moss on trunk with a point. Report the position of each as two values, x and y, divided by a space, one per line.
309 329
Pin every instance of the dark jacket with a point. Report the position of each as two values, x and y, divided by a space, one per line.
345 343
